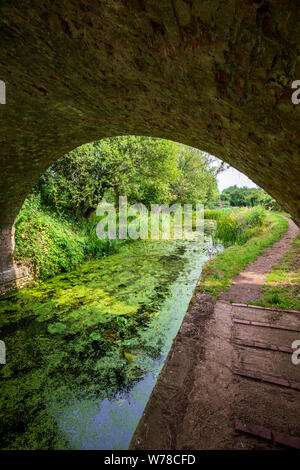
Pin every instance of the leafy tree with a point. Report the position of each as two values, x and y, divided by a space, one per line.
196 181
236 196
140 168
145 169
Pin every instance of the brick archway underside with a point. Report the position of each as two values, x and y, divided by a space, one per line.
212 74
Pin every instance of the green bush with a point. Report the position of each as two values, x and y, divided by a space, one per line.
55 244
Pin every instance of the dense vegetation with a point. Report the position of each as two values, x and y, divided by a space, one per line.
55 243
236 225
56 227
144 169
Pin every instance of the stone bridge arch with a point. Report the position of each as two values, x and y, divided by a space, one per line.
211 74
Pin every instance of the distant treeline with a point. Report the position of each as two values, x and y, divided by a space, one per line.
250 197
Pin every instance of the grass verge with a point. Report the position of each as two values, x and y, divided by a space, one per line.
218 273
282 287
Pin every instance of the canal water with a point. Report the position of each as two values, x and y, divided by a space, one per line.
84 349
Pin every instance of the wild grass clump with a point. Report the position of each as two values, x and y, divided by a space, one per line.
237 226
281 287
218 213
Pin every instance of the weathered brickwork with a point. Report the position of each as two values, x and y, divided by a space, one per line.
17 276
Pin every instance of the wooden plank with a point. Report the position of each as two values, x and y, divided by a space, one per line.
261 431
254 429
264 308
267 378
264 325
261 345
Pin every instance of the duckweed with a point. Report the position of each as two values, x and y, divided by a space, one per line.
82 340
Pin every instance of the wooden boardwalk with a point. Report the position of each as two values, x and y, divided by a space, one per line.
266 375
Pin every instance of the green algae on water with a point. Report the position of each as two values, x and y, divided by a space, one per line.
85 336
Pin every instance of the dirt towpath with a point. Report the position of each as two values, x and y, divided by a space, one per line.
229 381
248 284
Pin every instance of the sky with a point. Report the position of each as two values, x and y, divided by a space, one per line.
231 177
